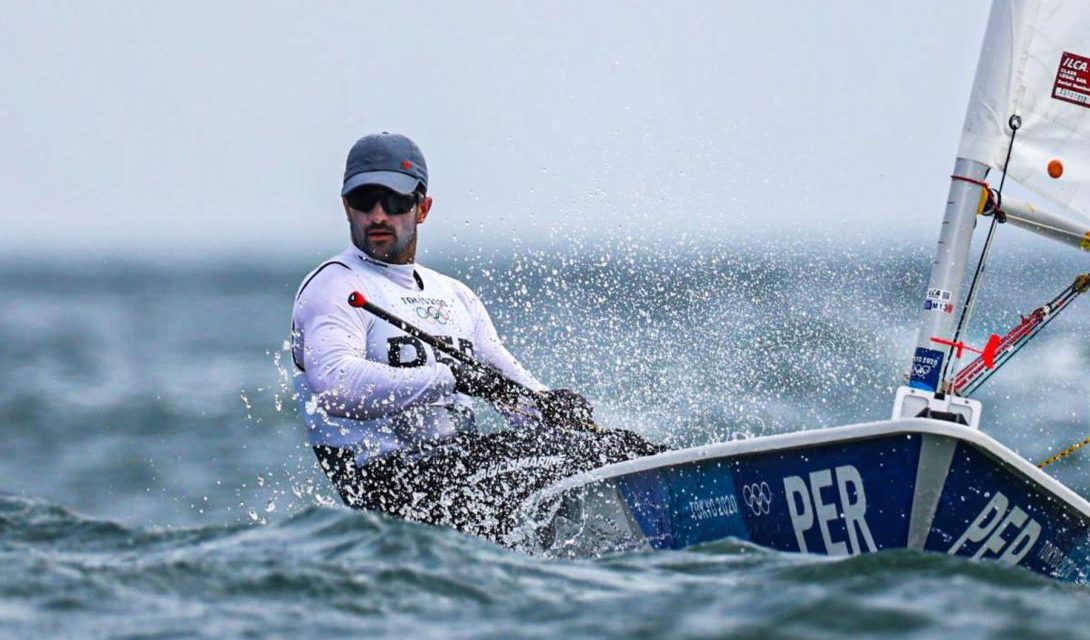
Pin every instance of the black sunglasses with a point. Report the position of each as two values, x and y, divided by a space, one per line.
393 203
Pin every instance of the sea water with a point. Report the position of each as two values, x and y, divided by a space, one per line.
156 482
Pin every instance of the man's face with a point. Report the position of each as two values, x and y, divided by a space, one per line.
380 233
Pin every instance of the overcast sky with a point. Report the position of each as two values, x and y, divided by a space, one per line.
209 127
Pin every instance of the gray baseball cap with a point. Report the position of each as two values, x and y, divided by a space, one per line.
387 159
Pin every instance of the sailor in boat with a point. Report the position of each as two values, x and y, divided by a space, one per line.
390 417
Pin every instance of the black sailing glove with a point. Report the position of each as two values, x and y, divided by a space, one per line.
565 407
481 381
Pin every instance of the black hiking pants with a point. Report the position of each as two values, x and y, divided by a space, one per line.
475 482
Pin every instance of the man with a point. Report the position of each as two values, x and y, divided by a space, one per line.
390 417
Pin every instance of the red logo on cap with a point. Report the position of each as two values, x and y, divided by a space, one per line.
405 164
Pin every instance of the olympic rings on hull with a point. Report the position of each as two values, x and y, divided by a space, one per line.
758 497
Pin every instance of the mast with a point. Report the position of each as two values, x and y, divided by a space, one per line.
941 304
1032 79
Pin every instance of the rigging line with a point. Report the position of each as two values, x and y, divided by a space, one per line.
981 183
1014 123
1058 304
1006 357
1054 310
1063 454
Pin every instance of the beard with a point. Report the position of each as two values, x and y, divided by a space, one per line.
386 250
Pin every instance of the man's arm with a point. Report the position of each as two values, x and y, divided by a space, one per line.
555 406
488 347
335 360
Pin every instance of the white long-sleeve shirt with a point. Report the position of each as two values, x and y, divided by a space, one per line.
366 384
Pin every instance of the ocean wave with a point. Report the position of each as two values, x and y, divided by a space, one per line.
332 570
150 403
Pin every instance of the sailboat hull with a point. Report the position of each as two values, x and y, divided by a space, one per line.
899 484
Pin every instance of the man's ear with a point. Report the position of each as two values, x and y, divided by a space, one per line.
423 209
347 213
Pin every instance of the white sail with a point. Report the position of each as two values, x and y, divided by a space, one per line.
1035 63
